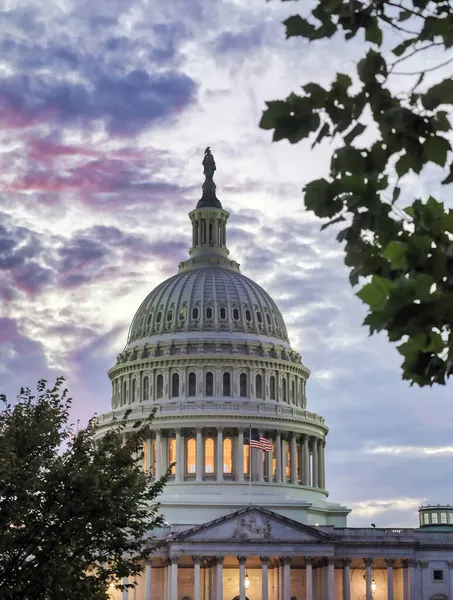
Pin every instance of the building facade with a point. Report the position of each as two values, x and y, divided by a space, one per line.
208 350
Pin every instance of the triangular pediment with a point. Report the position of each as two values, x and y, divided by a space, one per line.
254 524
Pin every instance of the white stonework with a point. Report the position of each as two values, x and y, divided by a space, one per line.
208 350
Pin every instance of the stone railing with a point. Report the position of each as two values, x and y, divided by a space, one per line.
387 534
187 408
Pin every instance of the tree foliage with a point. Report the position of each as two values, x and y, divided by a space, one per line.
76 510
403 256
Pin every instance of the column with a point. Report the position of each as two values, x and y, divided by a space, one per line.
199 461
306 469
242 560
293 459
389 565
196 578
219 456
275 580
240 456
219 578
330 579
178 455
158 473
269 457
412 578
347 579
278 457
264 578
369 576
148 581
125 593
314 465
405 580
309 578
283 447
286 577
174 578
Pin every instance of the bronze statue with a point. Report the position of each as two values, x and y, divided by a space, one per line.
208 164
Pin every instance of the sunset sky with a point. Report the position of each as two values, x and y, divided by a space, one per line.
106 107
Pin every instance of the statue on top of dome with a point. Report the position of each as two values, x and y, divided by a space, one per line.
208 164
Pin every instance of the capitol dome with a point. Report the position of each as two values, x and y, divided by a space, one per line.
208 352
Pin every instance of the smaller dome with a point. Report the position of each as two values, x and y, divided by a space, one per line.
438 518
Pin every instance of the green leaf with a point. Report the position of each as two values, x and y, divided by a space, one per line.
449 178
396 254
357 130
297 26
441 93
323 132
401 48
376 293
404 15
403 165
373 32
436 149
396 194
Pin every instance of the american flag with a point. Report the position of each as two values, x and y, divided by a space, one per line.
259 442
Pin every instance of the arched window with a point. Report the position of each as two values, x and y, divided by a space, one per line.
134 387
248 315
209 313
288 462
259 316
182 313
226 384
222 313
124 392
169 315
209 384
192 384
272 387
243 385
227 456
160 386
175 385
146 388
259 386
195 313
235 314
209 456
172 454
158 317
191 456
293 392
247 459
149 319
284 389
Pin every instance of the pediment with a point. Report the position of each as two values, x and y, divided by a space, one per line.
254 524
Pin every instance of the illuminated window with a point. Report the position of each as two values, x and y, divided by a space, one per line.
226 384
191 456
288 462
172 454
274 460
146 388
192 384
175 385
182 313
247 460
259 386
426 518
272 387
450 518
434 518
134 387
443 517
209 456
154 457
160 386
209 391
228 456
144 457
284 389
243 385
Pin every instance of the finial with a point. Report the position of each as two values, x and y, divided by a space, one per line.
208 164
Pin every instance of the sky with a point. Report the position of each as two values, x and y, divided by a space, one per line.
105 110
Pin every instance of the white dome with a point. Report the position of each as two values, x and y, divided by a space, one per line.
208 299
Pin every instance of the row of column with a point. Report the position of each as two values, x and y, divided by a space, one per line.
319 585
305 451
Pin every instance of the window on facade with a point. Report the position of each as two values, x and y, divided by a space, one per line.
192 384
274 461
124 393
438 575
426 518
154 457
211 239
247 460
243 385
191 456
172 454
227 456
443 517
450 518
209 313
272 387
284 389
175 385
226 384
134 387
146 388
158 317
160 386
434 518
195 313
259 316
268 319
169 315
222 313
149 319
209 384
209 455
288 462
259 386
182 313
248 315
235 314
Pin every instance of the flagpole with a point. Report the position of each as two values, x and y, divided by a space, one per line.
250 466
